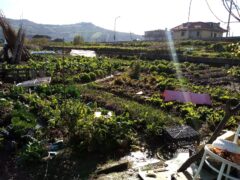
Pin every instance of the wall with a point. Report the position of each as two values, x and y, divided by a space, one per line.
203 34
178 35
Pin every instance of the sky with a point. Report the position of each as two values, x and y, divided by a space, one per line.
136 16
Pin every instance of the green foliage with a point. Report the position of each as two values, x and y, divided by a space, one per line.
135 70
85 77
234 71
217 47
104 134
166 69
22 119
92 76
77 40
32 153
168 83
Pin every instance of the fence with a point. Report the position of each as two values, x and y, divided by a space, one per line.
18 75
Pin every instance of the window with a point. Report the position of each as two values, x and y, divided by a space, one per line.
215 34
182 33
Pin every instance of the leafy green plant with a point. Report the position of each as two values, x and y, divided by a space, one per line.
85 78
32 153
135 70
22 120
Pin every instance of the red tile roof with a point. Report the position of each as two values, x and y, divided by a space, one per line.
199 26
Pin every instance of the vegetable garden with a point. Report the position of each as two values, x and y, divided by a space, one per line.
131 104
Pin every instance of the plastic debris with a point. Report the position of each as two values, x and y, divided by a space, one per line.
97 114
85 53
139 93
56 146
35 82
42 52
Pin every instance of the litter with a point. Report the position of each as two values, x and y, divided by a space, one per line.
179 136
97 114
139 93
42 52
85 53
185 97
35 82
140 159
56 146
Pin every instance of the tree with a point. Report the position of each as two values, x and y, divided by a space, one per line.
78 40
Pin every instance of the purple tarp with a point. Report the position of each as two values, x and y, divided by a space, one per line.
182 96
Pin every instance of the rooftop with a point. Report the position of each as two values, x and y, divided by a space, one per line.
199 26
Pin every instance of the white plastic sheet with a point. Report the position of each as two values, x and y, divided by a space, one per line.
35 82
85 53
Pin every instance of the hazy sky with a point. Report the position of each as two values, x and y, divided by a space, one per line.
136 16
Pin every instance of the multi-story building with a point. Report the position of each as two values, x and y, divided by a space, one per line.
197 30
155 35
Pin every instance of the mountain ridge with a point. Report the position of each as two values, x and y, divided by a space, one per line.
89 31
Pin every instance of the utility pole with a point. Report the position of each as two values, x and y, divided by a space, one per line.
189 14
114 36
229 18
131 36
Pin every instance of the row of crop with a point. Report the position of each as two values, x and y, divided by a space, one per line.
30 120
154 78
70 69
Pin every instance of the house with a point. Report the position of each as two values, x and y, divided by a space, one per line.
155 35
197 30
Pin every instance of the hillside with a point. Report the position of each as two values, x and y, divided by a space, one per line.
89 31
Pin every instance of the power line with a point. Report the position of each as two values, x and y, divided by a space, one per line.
210 9
229 9
214 13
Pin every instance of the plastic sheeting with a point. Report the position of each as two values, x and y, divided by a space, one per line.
184 97
85 53
35 82
43 52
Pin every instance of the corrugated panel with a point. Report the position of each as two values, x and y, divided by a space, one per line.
184 97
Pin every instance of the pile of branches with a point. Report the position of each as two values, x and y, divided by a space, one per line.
14 41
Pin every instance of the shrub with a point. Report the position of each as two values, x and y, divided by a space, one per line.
85 78
153 68
135 70
99 73
92 76
22 120
165 68
32 153
217 47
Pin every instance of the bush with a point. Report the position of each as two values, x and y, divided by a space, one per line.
32 153
92 76
135 70
22 120
99 73
85 78
165 68
217 47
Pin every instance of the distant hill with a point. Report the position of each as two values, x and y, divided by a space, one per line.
89 31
